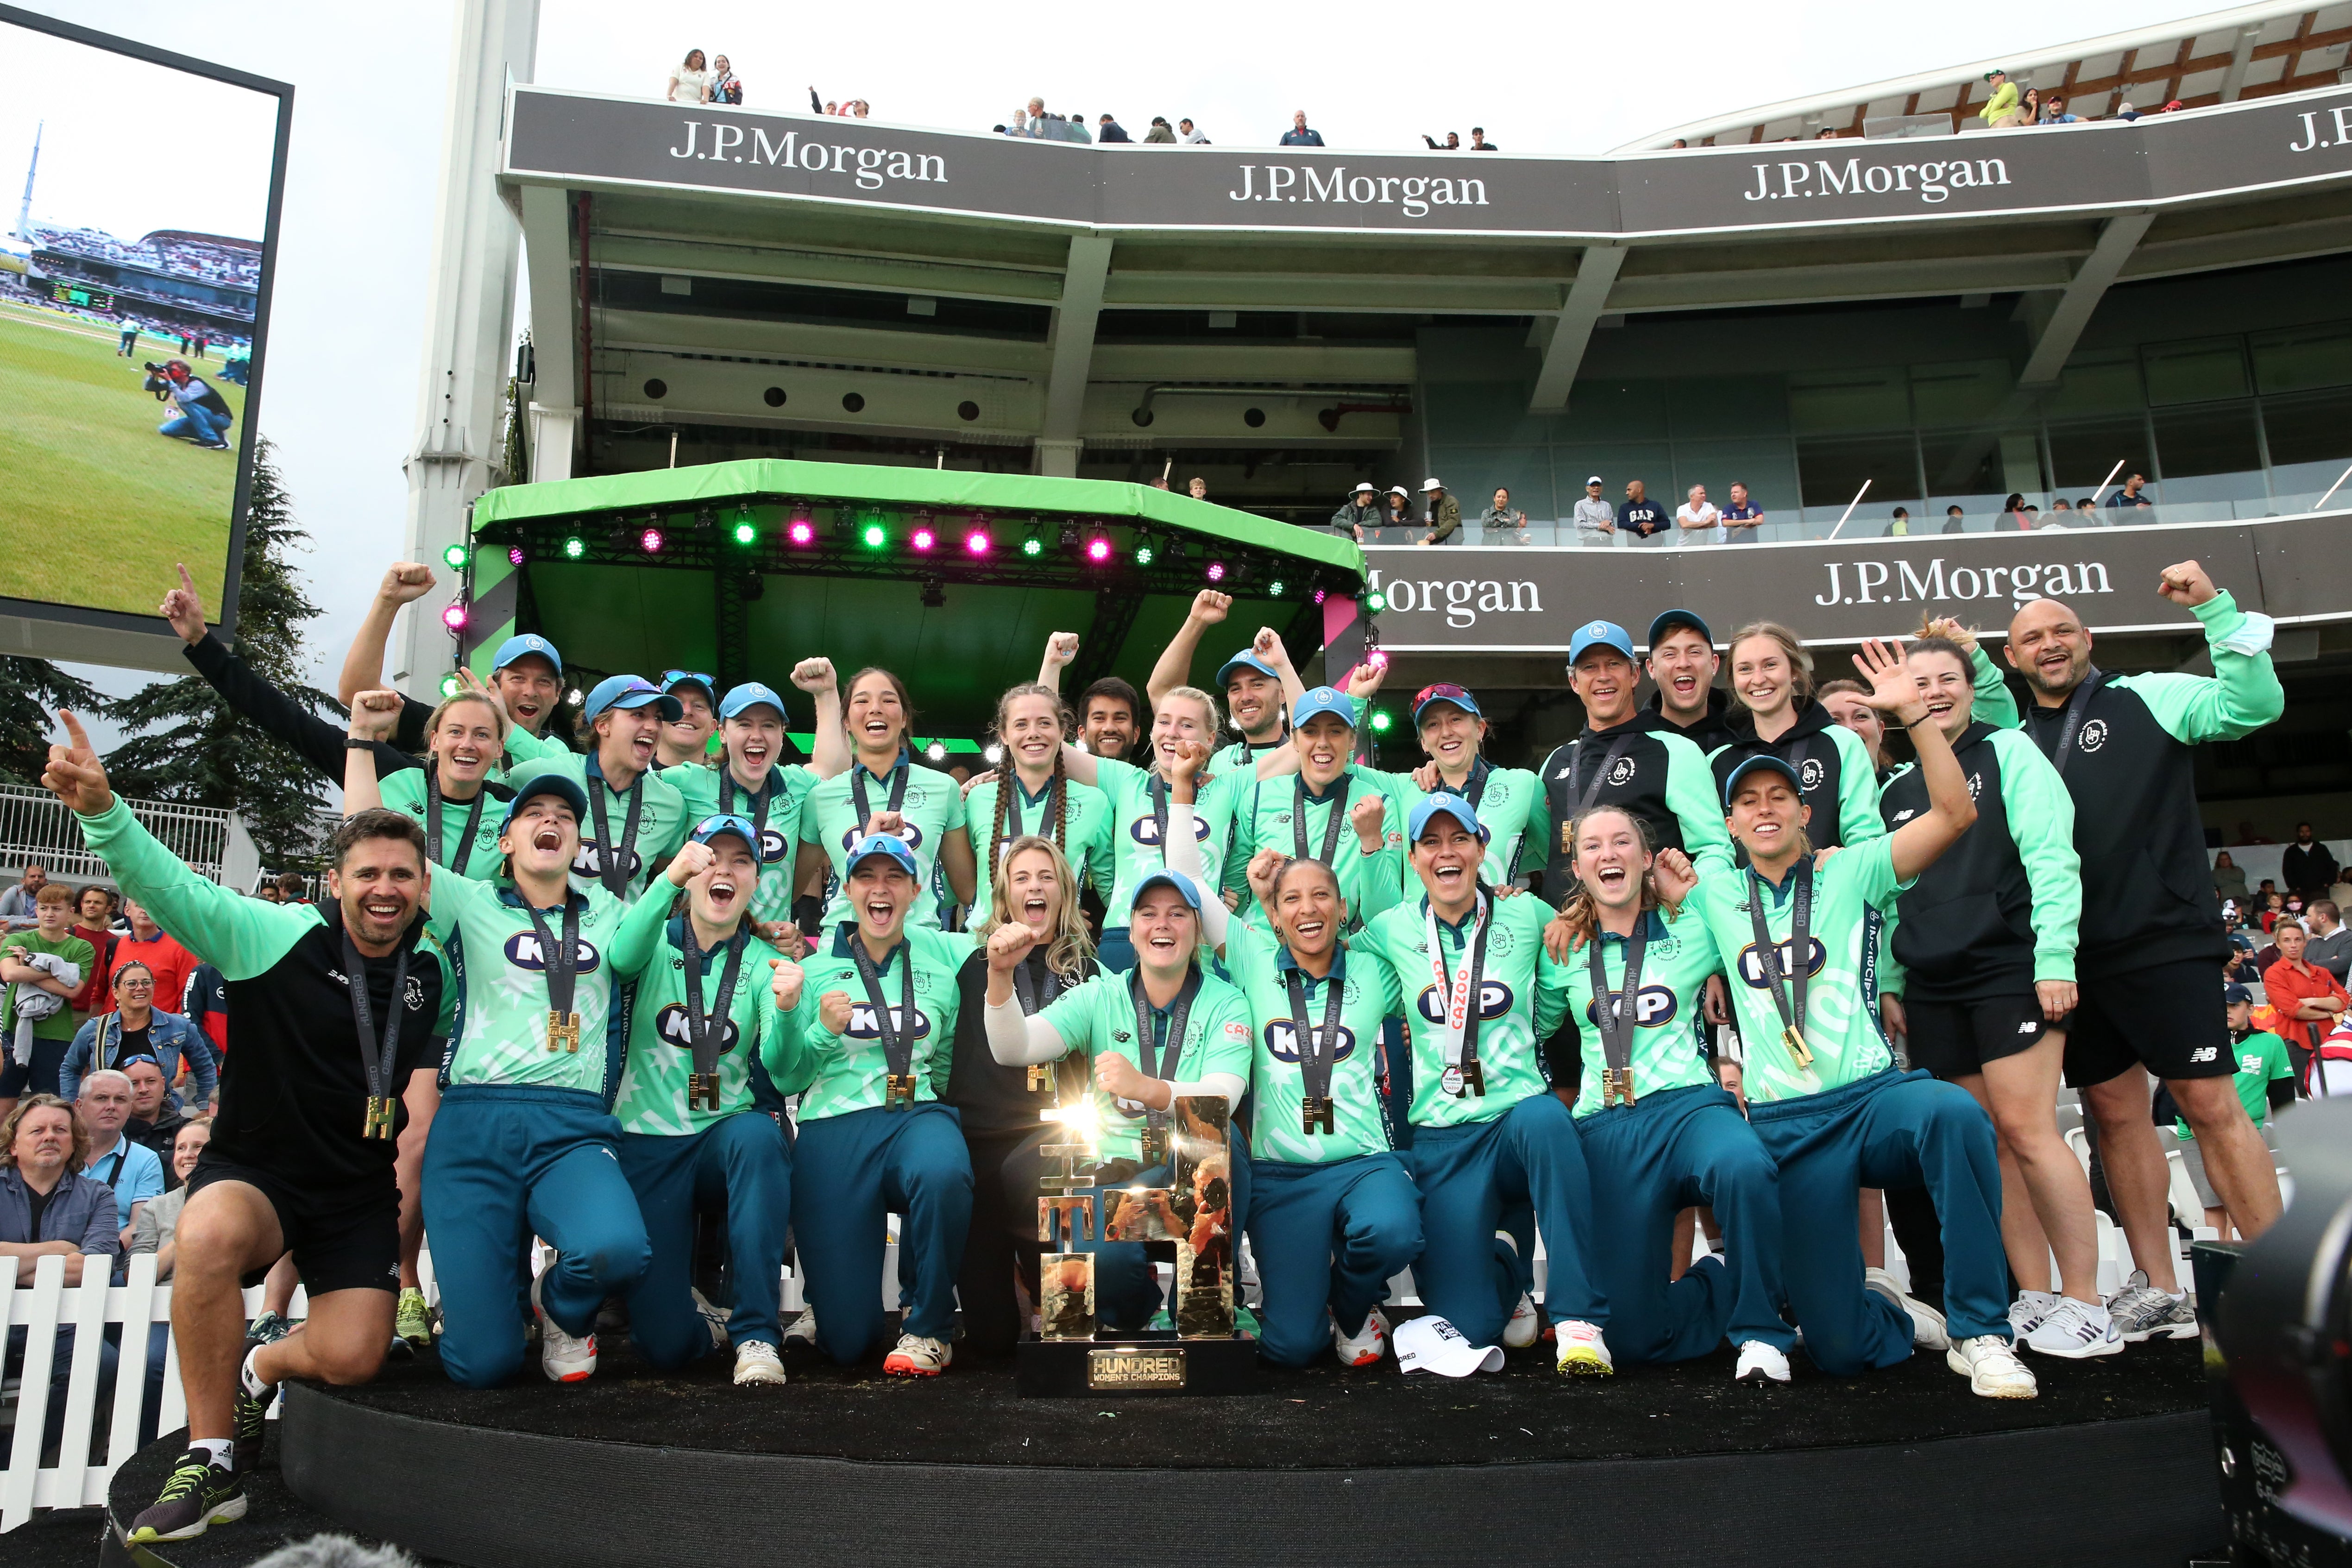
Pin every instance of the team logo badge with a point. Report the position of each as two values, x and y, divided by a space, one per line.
1282 1041
523 952
412 995
1500 941
1653 1007
1623 773
670 1025
2095 734
1810 776
1976 786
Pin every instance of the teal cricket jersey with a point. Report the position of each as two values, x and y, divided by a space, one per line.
1239 761
1522 995
649 949
1370 883
931 808
662 826
404 792
1261 967
1851 896
1135 830
1085 836
845 1071
1507 801
1099 1017
709 792
1669 1034
500 1035
522 746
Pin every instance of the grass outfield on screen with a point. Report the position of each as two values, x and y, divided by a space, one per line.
100 506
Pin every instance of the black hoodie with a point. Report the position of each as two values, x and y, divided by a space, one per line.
1835 771
1710 733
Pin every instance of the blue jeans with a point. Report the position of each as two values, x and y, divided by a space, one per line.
1326 1238
738 1167
196 423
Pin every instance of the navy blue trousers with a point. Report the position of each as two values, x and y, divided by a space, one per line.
1327 1239
738 1167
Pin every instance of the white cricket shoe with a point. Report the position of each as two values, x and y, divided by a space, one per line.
1367 1345
563 1357
918 1356
756 1362
1760 1364
803 1327
1927 1331
1583 1351
1993 1368
2029 1308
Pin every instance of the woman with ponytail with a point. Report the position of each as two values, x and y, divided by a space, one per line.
1031 794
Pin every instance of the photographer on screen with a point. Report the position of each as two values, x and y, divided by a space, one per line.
199 414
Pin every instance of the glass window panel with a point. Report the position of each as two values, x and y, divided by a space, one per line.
1635 410
1864 399
2195 372
2308 429
1728 406
2081 453
1830 472
2097 386
1959 393
2299 357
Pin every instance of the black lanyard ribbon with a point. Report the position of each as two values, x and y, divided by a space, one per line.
560 964
1148 1057
1331 824
706 1032
612 866
433 820
376 1054
1318 1051
1786 981
897 1036
1618 1015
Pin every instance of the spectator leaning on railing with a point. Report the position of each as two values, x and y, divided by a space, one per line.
1504 523
1697 519
1639 516
1445 516
1299 135
1595 519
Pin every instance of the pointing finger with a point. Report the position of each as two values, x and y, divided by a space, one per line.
80 737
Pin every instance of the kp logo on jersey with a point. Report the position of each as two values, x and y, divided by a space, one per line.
1494 1000
1751 967
1281 1039
590 861
1146 830
671 1025
773 846
862 1017
523 952
1653 1007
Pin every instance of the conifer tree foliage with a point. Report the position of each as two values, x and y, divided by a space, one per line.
185 745
31 691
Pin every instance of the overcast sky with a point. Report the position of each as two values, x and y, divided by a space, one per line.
371 87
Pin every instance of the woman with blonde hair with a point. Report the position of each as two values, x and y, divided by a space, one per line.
1774 712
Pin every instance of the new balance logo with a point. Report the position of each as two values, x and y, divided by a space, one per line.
2206 1055
1905 814
2028 1027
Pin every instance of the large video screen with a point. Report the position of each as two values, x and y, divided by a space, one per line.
142 192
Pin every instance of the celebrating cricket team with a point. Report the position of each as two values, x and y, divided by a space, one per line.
1628 1053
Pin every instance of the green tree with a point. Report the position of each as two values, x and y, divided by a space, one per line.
31 691
187 746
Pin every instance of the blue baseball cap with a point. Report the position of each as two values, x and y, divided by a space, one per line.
674 678
2233 994
1243 660
1442 803
549 776
1599 634
1167 879
1324 699
524 646
628 692
1669 619
1761 763
749 695
740 826
880 844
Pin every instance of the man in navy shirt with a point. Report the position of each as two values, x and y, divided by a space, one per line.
1299 135
1742 518
1639 516
2129 495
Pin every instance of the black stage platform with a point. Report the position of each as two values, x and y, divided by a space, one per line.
2114 1464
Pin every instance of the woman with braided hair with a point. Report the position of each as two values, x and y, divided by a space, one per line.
1031 793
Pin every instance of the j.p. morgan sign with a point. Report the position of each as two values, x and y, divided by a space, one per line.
580 140
1504 599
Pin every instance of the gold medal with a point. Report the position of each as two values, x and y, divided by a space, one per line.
1798 1052
1314 1112
897 1090
379 1118
563 1030
1041 1077
702 1086
1616 1083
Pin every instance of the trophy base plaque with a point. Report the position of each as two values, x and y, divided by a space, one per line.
1154 1362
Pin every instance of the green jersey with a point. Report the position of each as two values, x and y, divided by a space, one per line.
1262 968
1851 895
709 792
930 806
1137 810
1522 995
1084 832
501 1033
1669 1032
1099 1017
662 826
1239 761
522 746
1288 817
73 950
1509 801
649 949
2261 1060
844 1072
473 856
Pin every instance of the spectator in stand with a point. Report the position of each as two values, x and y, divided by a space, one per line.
2055 112
1478 143
267 893
17 903
48 1207
2125 111
726 87
93 922
2029 107
291 887
2306 866
1160 135
1197 488
1955 520
130 1171
1501 520
2229 878
1110 131
2012 519
1899 525
138 1027
43 969
2307 999
1399 526
1697 520
1444 517
2001 109
2271 911
145 942
205 1004
690 80
1191 137
2055 507
1360 512
1299 135
1639 516
1742 521
1595 519
154 1120
2266 1081
1453 142
2130 495
2330 944
156 1230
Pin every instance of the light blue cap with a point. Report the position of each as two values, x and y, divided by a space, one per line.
522 647
1168 879
629 691
1442 803
882 844
1243 660
1324 699
740 826
549 776
750 694
1761 763
1599 634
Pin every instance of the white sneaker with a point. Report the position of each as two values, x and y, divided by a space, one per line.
562 1357
2074 1330
1760 1363
713 1318
1993 1368
1927 1331
1583 1351
1527 1324
803 1327
756 1362
1367 1345
2028 1311
918 1357
2143 1312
